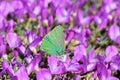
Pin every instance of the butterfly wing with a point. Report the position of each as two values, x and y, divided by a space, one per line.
53 42
59 35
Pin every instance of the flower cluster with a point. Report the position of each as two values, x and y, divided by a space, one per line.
91 37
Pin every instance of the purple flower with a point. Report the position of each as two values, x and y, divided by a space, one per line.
62 15
31 37
101 19
88 61
21 49
44 16
15 53
115 63
2 47
13 40
113 32
79 62
72 65
50 20
37 10
10 26
15 4
103 73
77 77
34 44
28 59
46 2
83 20
69 36
77 29
110 6
55 65
79 52
100 58
97 19
33 64
59 3
83 35
92 61
2 22
118 40
8 69
43 74
91 66
76 68
111 51
21 74
43 30
91 54
2 72
33 40
5 8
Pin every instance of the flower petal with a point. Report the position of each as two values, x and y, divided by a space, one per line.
79 52
8 68
13 40
21 74
56 67
110 52
43 74
113 32
2 47
33 64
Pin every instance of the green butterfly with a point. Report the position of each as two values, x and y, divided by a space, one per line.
53 43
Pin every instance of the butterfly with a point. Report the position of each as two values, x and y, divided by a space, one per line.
53 43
